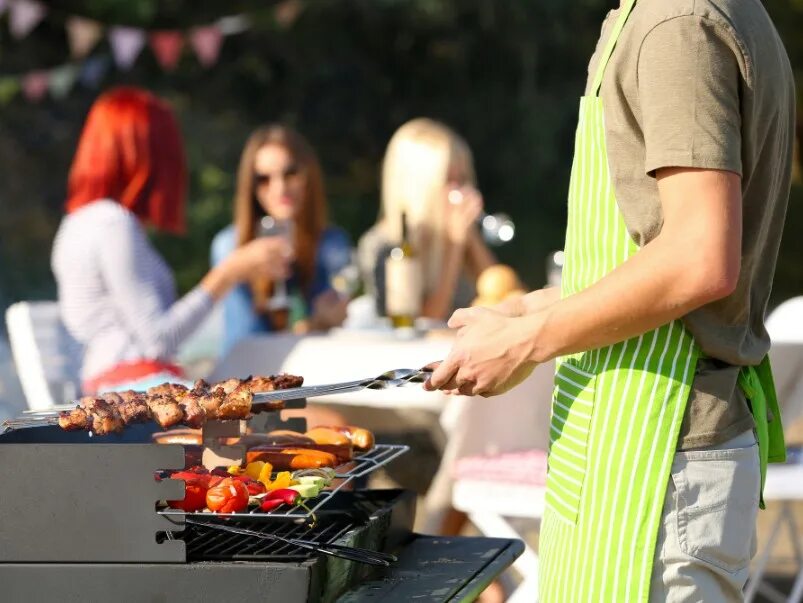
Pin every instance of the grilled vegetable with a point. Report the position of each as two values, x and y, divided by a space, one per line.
229 496
194 496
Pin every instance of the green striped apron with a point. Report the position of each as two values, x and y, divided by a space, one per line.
617 411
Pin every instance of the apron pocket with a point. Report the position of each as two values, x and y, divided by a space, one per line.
717 505
572 406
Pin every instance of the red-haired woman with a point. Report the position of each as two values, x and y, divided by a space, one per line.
117 295
280 176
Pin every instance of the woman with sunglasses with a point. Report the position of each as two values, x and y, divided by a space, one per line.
280 177
116 293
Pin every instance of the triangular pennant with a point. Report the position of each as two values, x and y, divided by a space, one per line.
206 42
3 6
127 43
24 16
62 80
9 87
167 45
93 71
34 85
83 35
287 12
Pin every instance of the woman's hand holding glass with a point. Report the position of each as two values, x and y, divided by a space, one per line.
463 209
265 257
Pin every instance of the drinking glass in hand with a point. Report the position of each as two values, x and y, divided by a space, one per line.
497 229
278 304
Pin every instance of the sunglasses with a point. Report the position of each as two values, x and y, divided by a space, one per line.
289 173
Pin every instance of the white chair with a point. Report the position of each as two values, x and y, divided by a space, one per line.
784 484
48 359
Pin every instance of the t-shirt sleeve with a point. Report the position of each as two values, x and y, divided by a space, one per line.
688 83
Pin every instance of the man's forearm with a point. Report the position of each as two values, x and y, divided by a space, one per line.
655 286
695 260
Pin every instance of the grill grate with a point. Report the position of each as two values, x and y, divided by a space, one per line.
362 465
344 515
206 544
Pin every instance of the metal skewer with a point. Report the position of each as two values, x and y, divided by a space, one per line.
387 380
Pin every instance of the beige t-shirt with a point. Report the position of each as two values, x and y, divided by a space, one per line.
705 84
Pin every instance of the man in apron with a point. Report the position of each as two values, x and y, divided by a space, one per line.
664 413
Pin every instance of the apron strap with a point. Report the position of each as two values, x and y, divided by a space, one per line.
626 7
759 388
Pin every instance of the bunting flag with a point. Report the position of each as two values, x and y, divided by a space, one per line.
61 81
287 12
83 35
24 16
9 87
206 42
34 85
167 45
93 71
126 43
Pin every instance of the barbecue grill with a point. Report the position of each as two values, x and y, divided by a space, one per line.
79 521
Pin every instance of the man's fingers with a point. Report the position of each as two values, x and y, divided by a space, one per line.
462 316
442 375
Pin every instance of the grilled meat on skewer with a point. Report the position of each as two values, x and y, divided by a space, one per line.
237 404
166 411
74 420
269 384
171 404
104 416
133 407
194 413
209 401
228 386
171 390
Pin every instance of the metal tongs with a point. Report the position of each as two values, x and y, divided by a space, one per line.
334 550
387 380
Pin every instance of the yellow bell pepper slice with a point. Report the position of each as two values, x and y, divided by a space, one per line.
254 470
265 474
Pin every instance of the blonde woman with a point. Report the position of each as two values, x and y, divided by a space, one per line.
428 175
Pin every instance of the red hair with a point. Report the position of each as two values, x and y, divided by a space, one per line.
131 151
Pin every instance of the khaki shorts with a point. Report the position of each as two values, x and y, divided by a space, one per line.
707 533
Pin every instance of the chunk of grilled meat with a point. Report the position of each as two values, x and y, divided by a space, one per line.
104 416
228 386
166 411
270 384
133 407
194 413
76 419
209 401
237 404
171 390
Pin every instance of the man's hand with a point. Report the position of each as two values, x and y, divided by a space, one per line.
491 355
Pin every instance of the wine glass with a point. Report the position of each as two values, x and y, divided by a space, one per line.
268 226
497 229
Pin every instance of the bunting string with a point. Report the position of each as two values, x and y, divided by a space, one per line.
126 45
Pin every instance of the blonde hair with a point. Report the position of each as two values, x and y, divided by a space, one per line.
416 168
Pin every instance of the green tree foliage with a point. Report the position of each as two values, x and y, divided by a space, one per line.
347 73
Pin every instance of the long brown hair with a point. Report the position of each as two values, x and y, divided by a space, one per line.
311 219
